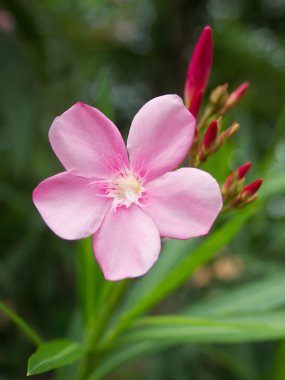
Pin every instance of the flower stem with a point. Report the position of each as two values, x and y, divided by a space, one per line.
93 352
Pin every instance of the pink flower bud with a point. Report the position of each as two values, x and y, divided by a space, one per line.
236 95
252 188
211 134
199 71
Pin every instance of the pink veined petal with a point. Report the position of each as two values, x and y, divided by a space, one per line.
87 143
161 134
183 204
127 243
71 206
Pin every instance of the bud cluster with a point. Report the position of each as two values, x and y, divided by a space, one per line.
213 140
209 136
220 102
235 193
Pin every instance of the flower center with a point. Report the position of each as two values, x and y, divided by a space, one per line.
125 189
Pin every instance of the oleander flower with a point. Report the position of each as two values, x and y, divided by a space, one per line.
127 201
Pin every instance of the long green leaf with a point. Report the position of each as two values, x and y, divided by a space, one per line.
153 334
179 329
21 324
54 354
263 294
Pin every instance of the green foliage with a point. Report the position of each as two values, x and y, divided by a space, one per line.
54 354
257 296
180 329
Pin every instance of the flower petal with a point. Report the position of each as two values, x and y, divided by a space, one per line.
183 204
161 134
87 143
127 243
71 206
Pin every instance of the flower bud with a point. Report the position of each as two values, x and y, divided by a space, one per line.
219 95
251 189
231 130
243 169
199 71
238 174
211 135
235 97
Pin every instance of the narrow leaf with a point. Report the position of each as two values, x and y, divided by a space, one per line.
54 354
261 295
21 324
179 329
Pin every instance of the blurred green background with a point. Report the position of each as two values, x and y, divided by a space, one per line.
116 55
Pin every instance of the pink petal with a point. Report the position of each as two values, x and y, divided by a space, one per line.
199 71
127 244
87 142
71 206
161 134
183 204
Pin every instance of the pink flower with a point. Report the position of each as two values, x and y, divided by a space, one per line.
199 71
127 204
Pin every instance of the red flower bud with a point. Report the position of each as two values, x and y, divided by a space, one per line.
211 135
199 71
243 169
239 173
252 188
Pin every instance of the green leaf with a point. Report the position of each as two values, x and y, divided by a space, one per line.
179 329
153 334
54 354
264 294
21 324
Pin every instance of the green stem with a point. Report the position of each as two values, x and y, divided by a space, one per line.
94 354
114 298
23 326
